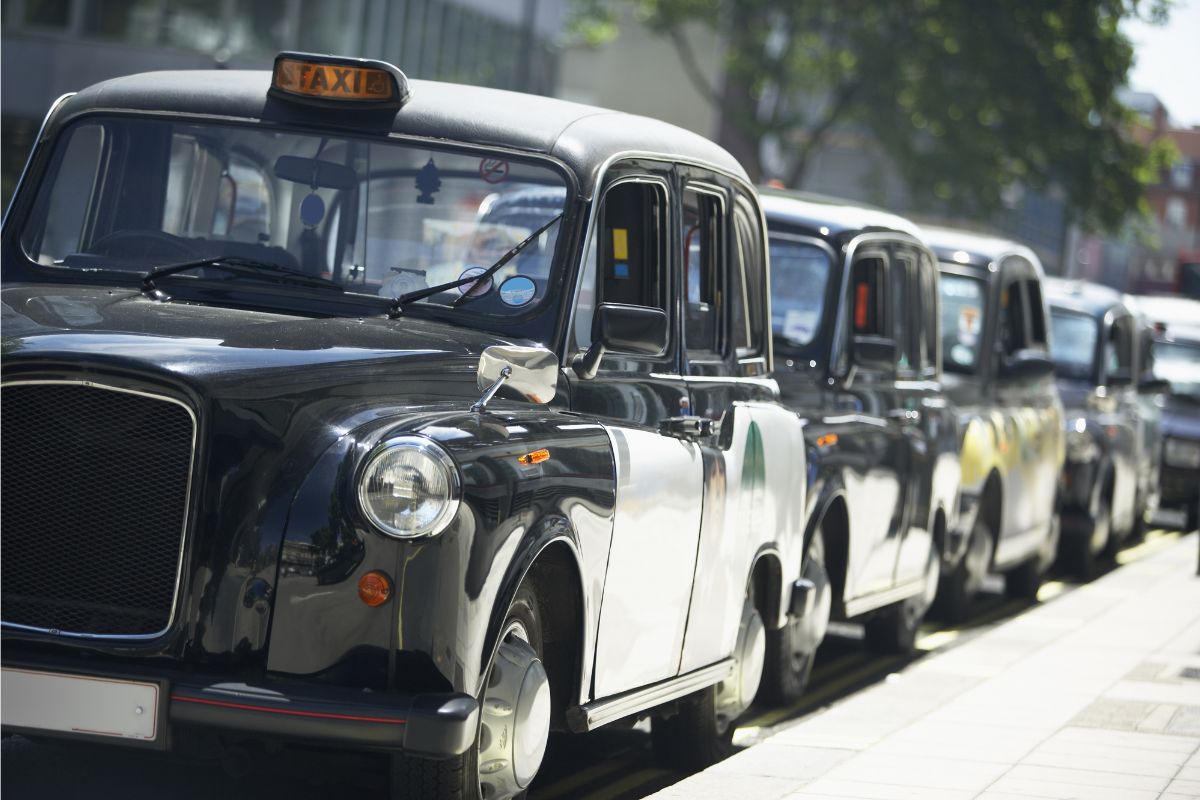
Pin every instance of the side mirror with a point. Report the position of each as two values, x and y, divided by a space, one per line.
621 328
529 372
1154 386
1025 365
873 352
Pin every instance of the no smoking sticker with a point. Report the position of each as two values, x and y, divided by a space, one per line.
493 170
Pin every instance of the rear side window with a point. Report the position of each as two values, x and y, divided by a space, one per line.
746 294
703 246
868 297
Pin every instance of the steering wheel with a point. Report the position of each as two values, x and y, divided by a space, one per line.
146 243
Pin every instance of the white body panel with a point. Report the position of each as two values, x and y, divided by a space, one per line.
651 562
78 704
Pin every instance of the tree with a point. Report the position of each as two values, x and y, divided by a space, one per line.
965 98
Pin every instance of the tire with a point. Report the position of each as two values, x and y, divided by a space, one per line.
792 649
692 739
1023 581
893 629
458 778
1082 557
958 590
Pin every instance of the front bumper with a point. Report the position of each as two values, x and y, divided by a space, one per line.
439 725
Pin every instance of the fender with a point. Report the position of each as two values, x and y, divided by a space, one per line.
778 590
830 490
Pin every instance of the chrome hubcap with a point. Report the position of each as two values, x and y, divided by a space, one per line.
978 558
736 693
514 725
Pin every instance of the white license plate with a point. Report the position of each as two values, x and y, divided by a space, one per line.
93 706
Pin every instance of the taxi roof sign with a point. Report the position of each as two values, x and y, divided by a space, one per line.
338 81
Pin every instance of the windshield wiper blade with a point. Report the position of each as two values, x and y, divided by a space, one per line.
239 265
420 294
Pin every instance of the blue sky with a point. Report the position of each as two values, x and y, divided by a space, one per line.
1168 61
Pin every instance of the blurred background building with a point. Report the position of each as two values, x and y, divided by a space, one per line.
50 47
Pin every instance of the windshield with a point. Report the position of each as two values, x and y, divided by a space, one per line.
381 217
962 322
1073 344
1178 363
799 275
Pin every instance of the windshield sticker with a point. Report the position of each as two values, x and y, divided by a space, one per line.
428 182
970 323
799 324
402 282
517 291
478 288
620 244
493 170
312 210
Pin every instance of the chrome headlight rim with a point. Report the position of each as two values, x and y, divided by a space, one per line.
443 461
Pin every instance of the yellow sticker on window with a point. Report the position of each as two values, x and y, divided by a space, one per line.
620 244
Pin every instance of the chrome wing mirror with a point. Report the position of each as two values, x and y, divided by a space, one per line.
531 372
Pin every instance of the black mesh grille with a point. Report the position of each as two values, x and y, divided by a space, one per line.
94 496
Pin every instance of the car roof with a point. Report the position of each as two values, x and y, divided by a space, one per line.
969 248
830 217
1089 298
583 137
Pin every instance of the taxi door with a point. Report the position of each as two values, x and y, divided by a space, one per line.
659 478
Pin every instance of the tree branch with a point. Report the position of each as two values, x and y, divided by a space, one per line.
687 57
842 98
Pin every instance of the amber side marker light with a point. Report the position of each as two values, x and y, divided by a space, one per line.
536 457
344 82
828 440
374 588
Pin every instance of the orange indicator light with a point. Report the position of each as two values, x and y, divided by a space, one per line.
536 457
828 440
374 588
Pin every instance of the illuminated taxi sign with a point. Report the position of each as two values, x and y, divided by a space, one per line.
338 81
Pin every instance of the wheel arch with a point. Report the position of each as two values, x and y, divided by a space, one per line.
832 519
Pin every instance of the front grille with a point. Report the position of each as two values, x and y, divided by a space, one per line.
93 501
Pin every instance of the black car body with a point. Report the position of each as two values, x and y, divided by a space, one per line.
1110 478
854 316
998 374
259 491
1175 323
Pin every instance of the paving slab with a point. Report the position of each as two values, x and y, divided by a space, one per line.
1094 695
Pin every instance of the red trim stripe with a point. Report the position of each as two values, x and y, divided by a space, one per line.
286 711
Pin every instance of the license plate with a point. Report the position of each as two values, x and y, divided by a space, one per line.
81 704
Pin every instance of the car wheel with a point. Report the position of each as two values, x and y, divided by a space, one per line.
894 628
958 589
514 723
792 649
1093 542
700 732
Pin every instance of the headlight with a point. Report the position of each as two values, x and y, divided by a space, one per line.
1182 453
409 487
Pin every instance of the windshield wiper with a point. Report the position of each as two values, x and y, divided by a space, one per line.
239 265
409 297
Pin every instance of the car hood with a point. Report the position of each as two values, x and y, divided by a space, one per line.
217 348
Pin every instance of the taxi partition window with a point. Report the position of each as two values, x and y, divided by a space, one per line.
381 217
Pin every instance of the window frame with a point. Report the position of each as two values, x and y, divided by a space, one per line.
721 252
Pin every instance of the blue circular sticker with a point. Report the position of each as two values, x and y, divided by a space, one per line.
312 210
517 291
477 289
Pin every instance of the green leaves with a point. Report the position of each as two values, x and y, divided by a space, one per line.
965 98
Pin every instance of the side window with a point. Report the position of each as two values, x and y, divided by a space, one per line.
746 291
1011 331
1118 352
67 210
930 317
1037 314
703 246
627 258
867 297
903 313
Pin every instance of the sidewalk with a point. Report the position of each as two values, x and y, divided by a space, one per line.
1093 695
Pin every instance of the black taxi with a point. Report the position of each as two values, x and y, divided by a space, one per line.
854 315
1101 347
403 416
999 375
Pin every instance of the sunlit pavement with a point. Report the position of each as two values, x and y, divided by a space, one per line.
617 764
1095 694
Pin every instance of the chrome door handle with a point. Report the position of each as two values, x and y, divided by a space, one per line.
689 428
905 416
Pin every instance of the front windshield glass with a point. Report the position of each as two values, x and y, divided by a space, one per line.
962 322
381 217
1073 344
1178 363
799 275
